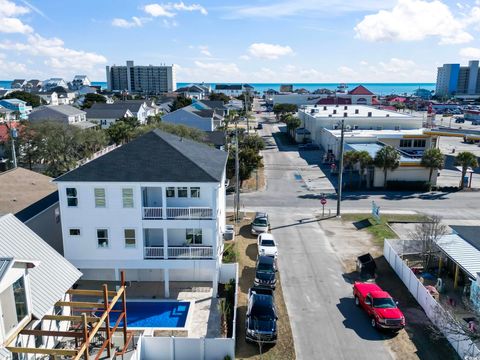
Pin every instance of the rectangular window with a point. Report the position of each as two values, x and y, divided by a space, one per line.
20 298
419 143
405 143
102 238
72 199
170 192
127 198
99 197
182 192
194 236
130 241
74 232
195 192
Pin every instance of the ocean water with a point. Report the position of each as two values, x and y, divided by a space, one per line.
376 88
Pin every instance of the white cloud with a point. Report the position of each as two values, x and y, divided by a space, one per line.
345 71
204 50
470 53
269 51
210 71
245 57
363 63
170 9
13 25
123 23
8 8
413 20
157 10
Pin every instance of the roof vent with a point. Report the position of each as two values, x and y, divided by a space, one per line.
345 107
356 111
369 114
329 115
315 105
334 111
312 111
324 108
388 115
355 127
345 114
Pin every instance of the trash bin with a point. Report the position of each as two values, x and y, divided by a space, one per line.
366 265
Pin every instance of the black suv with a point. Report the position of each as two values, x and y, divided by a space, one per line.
265 272
261 322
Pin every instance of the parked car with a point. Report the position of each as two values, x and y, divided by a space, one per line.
260 223
267 245
459 120
265 272
379 305
259 126
261 320
308 147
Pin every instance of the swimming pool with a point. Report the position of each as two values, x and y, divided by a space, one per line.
154 314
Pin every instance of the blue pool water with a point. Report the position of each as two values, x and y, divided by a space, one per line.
154 314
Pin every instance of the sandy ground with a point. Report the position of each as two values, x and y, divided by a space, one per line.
415 341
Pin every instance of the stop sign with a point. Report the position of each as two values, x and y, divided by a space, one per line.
323 201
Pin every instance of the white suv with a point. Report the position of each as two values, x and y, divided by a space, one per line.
267 245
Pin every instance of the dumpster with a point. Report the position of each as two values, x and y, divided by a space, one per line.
366 265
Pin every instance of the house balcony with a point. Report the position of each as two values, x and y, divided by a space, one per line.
178 213
178 252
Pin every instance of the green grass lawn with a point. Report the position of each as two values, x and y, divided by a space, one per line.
381 230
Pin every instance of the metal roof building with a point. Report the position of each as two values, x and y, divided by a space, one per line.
465 255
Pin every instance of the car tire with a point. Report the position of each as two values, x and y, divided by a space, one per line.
357 301
373 322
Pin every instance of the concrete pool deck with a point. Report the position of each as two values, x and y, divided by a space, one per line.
205 317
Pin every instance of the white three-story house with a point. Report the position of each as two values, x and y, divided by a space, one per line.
154 207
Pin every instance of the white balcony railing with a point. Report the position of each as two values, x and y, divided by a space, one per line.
190 252
178 213
154 213
154 252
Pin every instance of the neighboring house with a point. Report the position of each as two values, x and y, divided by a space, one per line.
50 84
206 120
138 108
360 95
234 104
62 113
18 106
51 98
154 207
216 105
33 198
7 114
106 116
33 85
229 90
18 84
217 139
5 92
79 81
194 91
33 278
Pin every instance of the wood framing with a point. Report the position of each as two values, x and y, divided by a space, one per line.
86 326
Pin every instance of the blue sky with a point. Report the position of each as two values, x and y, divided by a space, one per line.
236 41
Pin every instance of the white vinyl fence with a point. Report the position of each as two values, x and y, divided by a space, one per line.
181 348
440 317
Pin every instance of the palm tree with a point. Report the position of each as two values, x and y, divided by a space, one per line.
364 160
432 159
387 159
350 158
466 159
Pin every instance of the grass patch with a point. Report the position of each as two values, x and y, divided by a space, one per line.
230 253
381 230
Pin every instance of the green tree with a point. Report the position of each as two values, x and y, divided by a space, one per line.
432 159
350 158
90 99
180 102
219 97
120 132
254 142
31 99
466 159
92 141
292 123
364 160
279 109
387 158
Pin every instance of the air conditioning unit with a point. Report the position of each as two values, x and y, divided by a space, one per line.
329 115
335 127
324 108
355 127
397 128
388 115
369 114
345 114
345 107
334 111
356 111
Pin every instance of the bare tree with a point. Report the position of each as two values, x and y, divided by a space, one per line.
428 233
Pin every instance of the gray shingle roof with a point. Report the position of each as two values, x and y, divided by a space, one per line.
154 157
228 87
53 275
62 109
133 106
105 113
206 113
214 104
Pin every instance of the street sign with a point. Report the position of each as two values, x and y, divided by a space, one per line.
323 201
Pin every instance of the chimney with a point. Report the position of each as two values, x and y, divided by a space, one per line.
356 111
369 114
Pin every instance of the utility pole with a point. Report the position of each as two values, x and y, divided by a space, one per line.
246 97
237 175
340 175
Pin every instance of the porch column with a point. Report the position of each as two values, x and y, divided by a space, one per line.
165 243
164 202
215 280
455 282
166 278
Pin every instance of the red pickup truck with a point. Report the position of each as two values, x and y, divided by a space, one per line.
379 306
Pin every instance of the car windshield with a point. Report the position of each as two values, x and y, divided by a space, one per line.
260 222
384 303
264 267
268 242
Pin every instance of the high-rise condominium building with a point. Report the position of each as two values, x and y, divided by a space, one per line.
453 79
141 79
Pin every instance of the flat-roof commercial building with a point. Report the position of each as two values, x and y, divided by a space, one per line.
453 79
150 80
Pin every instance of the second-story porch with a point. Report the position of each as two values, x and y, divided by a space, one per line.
178 203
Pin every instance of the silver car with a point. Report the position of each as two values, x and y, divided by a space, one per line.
260 223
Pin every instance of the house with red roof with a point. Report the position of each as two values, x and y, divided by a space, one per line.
361 96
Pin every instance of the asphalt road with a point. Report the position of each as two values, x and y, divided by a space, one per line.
325 322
